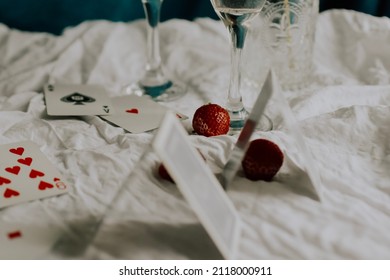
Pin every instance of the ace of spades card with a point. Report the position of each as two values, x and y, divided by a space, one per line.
26 174
77 100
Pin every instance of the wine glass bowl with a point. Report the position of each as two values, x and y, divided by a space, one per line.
236 16
155 82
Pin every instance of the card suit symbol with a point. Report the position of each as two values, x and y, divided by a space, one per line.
26 161
106 109
4 181
35 173
14 170
77 98
132 111
60 185
44 185
14 234
18 151
10 193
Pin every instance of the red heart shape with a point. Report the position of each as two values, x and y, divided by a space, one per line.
132 111
4 181
25 161
18 151
14 170
35 173
44 185
10 193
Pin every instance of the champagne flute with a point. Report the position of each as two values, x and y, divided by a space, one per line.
155 82
236 16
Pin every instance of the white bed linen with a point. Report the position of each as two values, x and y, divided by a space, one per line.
344 116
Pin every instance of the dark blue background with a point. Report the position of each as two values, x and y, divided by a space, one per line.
54 15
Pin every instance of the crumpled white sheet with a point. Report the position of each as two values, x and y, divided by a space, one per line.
344 116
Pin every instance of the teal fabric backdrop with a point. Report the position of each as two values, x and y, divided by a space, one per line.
373 7
54 15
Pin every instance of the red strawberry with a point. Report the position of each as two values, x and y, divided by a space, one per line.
262 160
211 120
162 171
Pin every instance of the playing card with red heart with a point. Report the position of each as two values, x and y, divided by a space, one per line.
27 174
138 114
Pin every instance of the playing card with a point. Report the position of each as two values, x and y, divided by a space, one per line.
198 185
26 174
77 100
138 114
23 241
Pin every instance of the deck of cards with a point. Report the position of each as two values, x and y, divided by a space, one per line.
133 113
26 174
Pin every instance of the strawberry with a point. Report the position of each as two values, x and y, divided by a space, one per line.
162 171
262 160
211 120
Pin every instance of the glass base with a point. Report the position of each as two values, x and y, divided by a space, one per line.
238 118
168 91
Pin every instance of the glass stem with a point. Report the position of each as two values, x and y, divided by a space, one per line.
152 13
238 34
153 49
